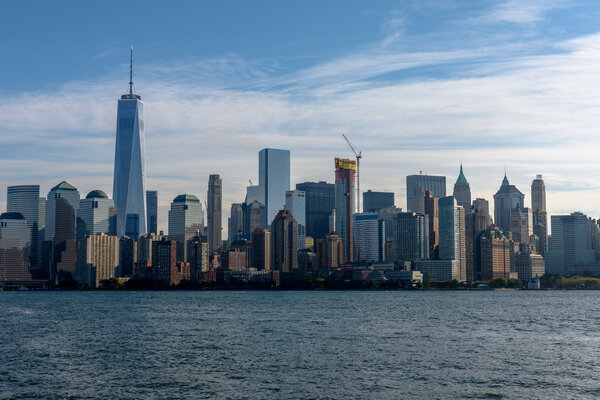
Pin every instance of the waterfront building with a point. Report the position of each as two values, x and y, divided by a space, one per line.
410 235
521 224
540 215
330 251
528 266
477 220
375 201
506 199
369 237
295 202
432 211
152 211
570 243
214 213
185 218
15 239
462 191
164 259
320 202
97 214
345 177
235 223
129 185
452 244
417 185
254 216
101 260
261 249
234 259
284 242
439 270
197 249
496 249
128 255
25 199
273 179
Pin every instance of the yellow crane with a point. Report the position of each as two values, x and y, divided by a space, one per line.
358 156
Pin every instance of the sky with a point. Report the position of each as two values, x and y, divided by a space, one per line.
416 85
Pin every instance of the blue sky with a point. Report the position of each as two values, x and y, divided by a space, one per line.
417 85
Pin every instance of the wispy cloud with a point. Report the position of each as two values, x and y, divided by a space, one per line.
523 11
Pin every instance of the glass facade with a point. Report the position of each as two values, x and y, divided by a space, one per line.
274 179
295 202
152 211
320 202
25 199
375 201
417 185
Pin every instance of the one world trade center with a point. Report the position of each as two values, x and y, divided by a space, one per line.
129 186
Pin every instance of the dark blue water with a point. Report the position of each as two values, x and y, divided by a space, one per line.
288 345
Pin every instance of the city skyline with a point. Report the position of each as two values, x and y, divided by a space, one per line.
220 102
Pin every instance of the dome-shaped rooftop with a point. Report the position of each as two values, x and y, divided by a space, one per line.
11 215
96 194
182 198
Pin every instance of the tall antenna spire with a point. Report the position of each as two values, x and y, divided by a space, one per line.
131 71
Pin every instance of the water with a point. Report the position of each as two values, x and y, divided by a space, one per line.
299 345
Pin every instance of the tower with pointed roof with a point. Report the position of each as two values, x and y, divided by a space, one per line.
506 199
462 191
129 185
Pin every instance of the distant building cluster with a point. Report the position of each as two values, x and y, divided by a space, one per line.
314 229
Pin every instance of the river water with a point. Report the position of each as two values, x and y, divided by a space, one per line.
300 345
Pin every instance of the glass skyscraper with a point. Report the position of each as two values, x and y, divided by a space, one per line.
152 210
417 185
274 179
129 186
320 202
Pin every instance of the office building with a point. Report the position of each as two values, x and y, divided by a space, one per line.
25 199
295 202
417 185
15 239
152 211
164 259
235 223
185 218
369 237
284 242
410 237
144 246
452 234
462 191
254 216
274 179
496 249
477 220
197 249
320 202
102 259
432 212
528 266
539 213
506 199
214 213
261 249
375 201
570 244
345 178
128 255
129 185
330 251
97 214
521 224
439 270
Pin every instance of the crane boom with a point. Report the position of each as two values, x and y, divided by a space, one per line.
358 156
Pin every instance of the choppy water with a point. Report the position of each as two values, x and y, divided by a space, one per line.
286 345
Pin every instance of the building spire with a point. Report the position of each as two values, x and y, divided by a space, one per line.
131 71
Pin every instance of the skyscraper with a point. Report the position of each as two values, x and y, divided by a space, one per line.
477 220
261 249
320 202
284 240
273 179
432 211
375 201
253 217
235 224
462 191
330 251
129 186
540 215
214 212
570 244
102 259
97 214
452 234
495 254
416 185
345 172
15 238
185 218
25 199
295 201
152 210
506 199
410 238
369 237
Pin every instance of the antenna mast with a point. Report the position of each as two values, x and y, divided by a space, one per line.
131 71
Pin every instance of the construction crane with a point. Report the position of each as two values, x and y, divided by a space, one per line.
358 156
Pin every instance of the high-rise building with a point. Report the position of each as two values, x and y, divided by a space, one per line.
330 251
129 186
375 201
495 254
185 218
462 191
15 239
274 179
197 249
295 202
506 199
369 237
570 244
128 255
320 202
345 174
261 249
235 223
417 185
254 216
540 216
164 259
477 220
102 259
452 234
521 224
410 237
144 246
528 266
152 211
284 242
214 213
97 214
432 211
25 199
